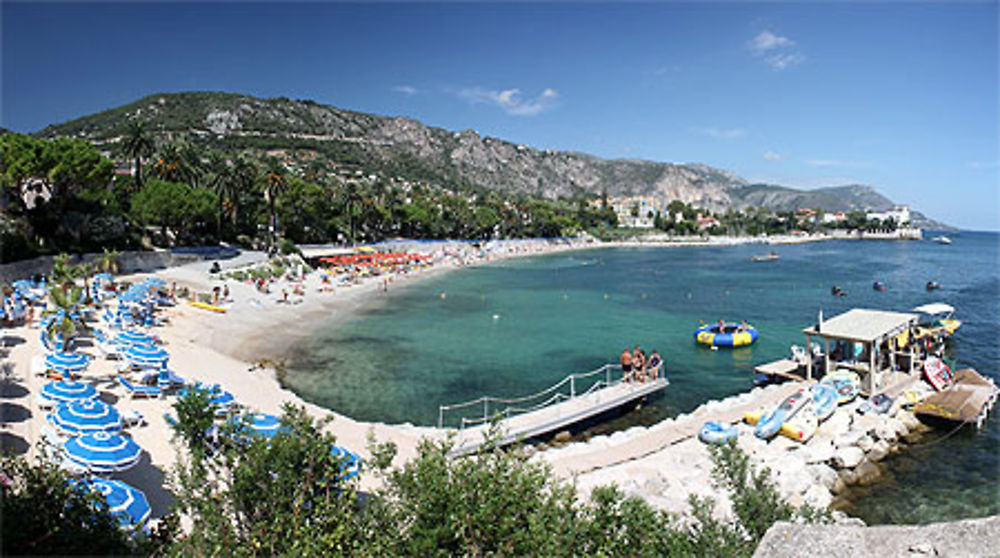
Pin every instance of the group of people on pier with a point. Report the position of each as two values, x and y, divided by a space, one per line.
636 367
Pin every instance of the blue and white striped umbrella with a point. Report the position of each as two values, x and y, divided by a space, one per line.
125 502
155 282
129 338
263 424
146 356
62 391
67 363
104 276
103 452
83 417
132 296
351 462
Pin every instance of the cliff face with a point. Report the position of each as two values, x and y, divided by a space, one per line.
406 147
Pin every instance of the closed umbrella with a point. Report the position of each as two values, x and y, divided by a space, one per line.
87 416
103 452
125 502
68 391
67 363
146 356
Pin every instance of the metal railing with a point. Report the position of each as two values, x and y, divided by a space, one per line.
603 377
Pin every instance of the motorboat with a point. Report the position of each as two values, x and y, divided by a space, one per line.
942 239
936 320
932 285
768 257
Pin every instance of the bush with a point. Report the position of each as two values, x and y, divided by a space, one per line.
289 247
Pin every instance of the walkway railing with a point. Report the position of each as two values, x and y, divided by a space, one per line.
573 385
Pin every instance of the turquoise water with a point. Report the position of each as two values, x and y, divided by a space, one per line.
516 327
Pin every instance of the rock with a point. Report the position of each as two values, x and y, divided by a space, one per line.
909 419
562 437
824 475
886 432
848 457
866 443
897 425
849 438
837 424
878 451
867 422
839 486
867 473
819 452
922 549
818 497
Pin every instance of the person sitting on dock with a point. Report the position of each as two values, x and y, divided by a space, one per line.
626 362
652 367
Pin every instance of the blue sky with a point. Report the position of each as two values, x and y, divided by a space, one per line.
903 97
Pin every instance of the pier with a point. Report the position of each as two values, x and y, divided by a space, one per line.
575 398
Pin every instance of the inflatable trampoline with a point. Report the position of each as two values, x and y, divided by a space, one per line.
728 335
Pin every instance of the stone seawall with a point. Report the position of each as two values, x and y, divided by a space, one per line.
130 262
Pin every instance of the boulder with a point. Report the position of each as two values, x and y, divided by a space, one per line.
837 424
878 451
819 451
817 497
867 473
849 438
867 422
839 486
897 425
824 475
909 419
886 431
848 457
865 443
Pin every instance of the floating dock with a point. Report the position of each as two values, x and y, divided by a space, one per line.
547 411
968 400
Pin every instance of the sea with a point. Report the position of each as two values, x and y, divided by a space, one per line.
517 326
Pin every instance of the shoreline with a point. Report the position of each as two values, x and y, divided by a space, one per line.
222 348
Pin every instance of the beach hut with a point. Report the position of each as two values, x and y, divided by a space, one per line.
103 452
83 417
64 390
127 503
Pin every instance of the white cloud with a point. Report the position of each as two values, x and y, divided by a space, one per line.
767 40
772 156
407 90
510 100
722 133
782 61
775 51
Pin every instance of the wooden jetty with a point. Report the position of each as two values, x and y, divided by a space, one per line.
968 400
549 410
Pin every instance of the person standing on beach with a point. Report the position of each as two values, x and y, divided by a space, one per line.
626 362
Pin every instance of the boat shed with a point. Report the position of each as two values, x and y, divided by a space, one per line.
875 338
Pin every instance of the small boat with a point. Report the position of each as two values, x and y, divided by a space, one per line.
936 320
942 239
932 285
713 432
768 257
846 383
837 291
771 422
824 401
878 286
938 373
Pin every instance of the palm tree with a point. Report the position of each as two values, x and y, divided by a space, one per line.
244 175
62 273
109 262
64 302
274 185
138 144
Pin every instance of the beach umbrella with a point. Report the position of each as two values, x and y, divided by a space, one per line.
351 462
132 295
67 363
83 417
103 452
129 338
104 276
68 391
263 424
125 502
146 356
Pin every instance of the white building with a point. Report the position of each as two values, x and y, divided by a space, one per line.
899 214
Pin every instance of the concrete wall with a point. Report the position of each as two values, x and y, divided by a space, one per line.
129 262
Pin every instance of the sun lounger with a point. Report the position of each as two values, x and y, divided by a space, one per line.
139 390
132 417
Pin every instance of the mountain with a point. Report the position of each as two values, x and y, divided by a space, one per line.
401 146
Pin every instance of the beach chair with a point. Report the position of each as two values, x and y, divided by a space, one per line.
139 390
108 348
167 380
132 418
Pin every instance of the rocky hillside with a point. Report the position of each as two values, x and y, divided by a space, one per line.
405 147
